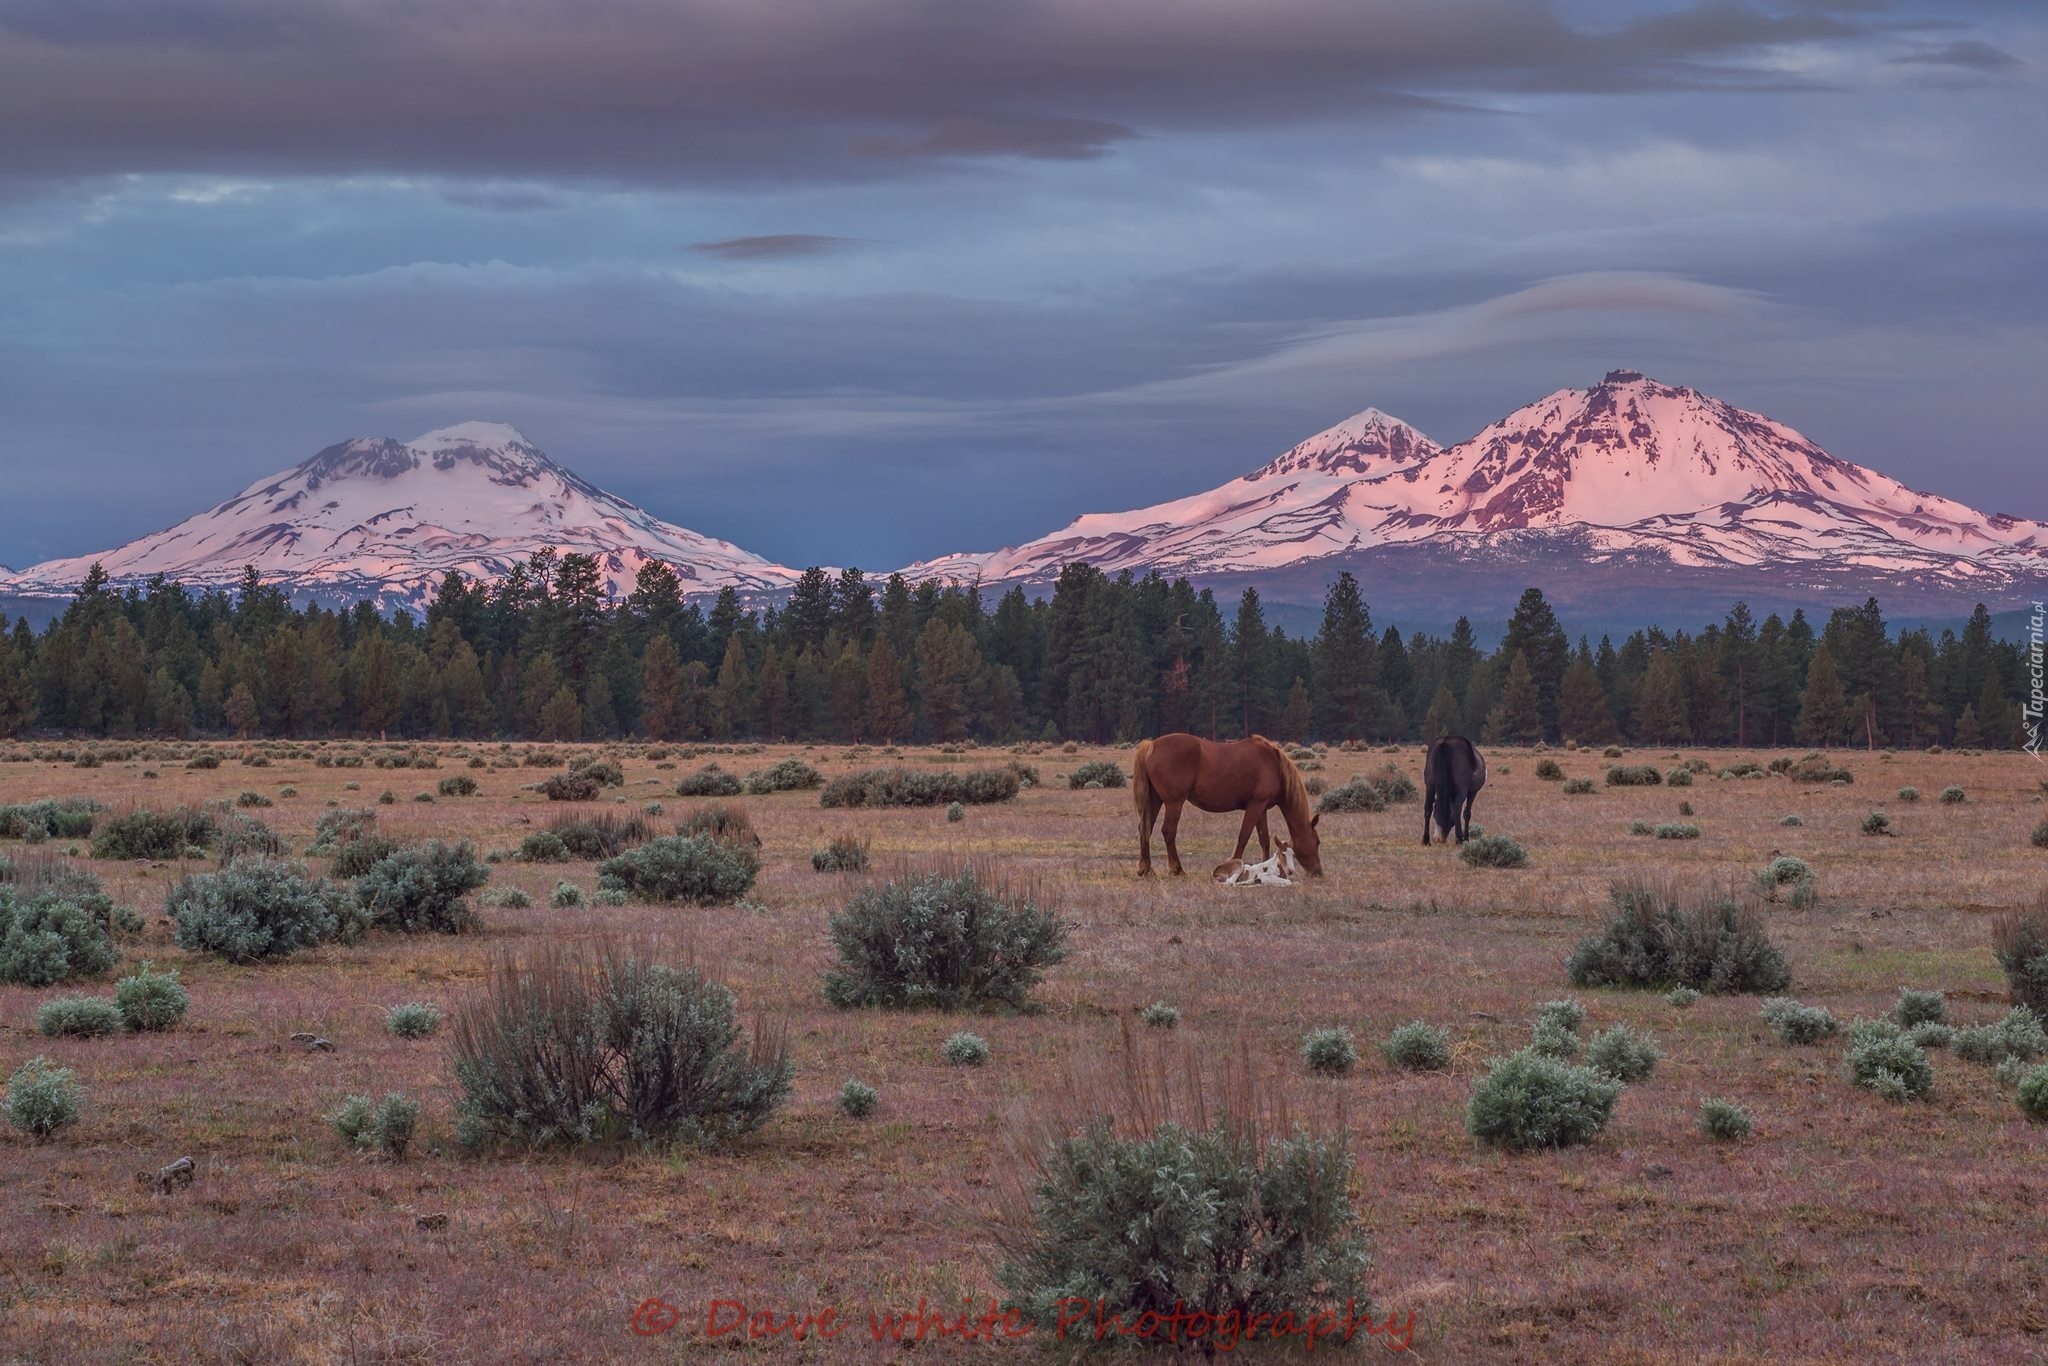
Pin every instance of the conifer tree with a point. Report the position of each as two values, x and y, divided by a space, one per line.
1823 709
888 710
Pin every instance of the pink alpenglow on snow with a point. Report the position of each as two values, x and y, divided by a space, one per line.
386 520
1628 469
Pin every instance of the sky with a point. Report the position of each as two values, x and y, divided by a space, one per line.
868 281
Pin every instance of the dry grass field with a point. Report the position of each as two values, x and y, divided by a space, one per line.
1846 1228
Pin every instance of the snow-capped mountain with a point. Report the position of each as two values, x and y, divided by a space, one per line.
386 520
1660 481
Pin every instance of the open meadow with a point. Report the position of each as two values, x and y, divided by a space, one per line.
1845 1227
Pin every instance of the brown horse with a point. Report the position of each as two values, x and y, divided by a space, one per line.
1252 776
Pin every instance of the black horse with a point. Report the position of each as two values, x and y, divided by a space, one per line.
1452 774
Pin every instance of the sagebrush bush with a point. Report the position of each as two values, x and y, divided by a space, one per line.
146 834
1329 1052
916 787
1724 1120
1681 997
1528 1100
261 908
1623 1054
1909 794
2019 941
955 812
424 888
1577 787
1919 1007
1792 820
2040 836
2017 1034
1639 827
1549 771
67 818
608 1043
1790 880
1884 1060
1098 773
243 836
726 824
790 775
457 785
1160 1015
1359 794
966 1050
709 781
253 799
1219 1221
1634 775
150 1001
78 1017
1932 1034
1678 777
2032 1096
1660 936
356 857
566 896
695 870
56 932
340 826
594 837
507 898
1815 768
1415 1047
385 1125
944 939
1672 830
1877 823
413 1019
857 1098
573 786
1492 851
1796 1023
43 1098
845 854
1953 796
542 846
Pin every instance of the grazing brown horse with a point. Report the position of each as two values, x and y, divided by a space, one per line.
1252 776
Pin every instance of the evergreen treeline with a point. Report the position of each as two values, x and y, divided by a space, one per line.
543 655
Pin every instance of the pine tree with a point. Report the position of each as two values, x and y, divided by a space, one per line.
1534 632
1660 713
888 711
1518 715
1295 717
732 700
1969 735
17 700
1823 709
1443 718
849 689
243 718
771 691
1995 715
663 706
561 716
1251 664
948 678
1582 711
1343 660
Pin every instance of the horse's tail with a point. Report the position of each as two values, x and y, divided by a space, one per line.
1141 781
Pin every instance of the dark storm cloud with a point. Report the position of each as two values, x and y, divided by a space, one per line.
700 91
773 246
1970 54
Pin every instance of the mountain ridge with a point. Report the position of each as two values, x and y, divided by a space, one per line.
1623 494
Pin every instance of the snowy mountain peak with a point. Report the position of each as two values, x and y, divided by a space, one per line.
1630 472
1367 443
490 436
377 518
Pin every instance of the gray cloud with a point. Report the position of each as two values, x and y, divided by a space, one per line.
701 91
1974 55
773 246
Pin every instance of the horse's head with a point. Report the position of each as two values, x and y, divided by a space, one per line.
1308 850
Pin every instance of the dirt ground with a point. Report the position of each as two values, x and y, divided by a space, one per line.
1845 1229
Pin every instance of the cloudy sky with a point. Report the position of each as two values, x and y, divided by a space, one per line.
862 281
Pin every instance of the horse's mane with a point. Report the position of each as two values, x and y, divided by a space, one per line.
1294 793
